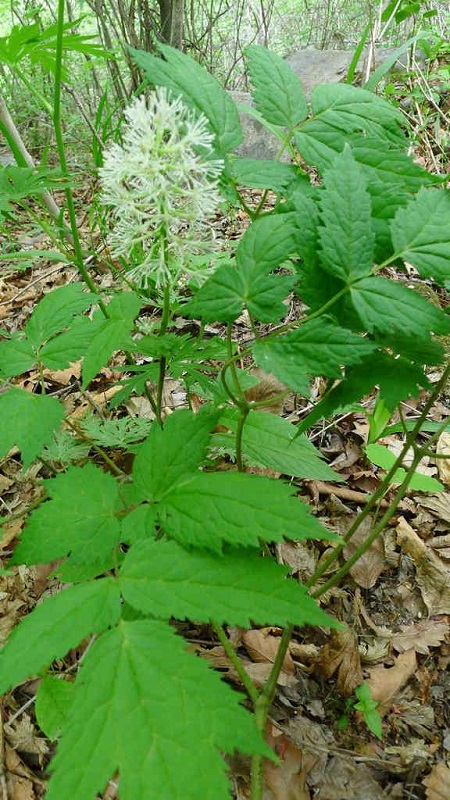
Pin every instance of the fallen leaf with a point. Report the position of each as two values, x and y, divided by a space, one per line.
371 564
432 575
341 654
287 779
437 783
386 682
443 464
420 636
262 648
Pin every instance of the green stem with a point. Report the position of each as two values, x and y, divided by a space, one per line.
239 434
162 363
262 708
78 252
246 681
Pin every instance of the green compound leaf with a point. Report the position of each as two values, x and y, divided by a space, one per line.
172 452
201 91
346 238
278 94
55 311
265 245
56 626
271 441
149 706
112 334
318 347
208 510
165 580
79 518
53 700
28 421
383 305
421 234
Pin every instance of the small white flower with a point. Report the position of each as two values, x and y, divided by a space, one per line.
162 187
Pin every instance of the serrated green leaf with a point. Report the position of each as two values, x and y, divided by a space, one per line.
53 700
28 421
208 510
116 432
55 311
79 518
149 708
340 110
397 379
172 452
265 245
271 441
346 237
17 355
278 94
165 580
55 627
261 174
384 305
111 335
201 91
68 347
318 347
139 524
421 234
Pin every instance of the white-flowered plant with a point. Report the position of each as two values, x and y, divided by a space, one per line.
162 187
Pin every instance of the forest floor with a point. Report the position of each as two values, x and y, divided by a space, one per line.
395 604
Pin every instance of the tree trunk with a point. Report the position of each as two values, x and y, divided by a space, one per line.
172 21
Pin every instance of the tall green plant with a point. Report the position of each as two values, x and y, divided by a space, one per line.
176 538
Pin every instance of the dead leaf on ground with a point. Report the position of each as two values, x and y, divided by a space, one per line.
371 564
438 503
263 647
420 636
22 736
341 654
437 783
432 574
286 780
386 682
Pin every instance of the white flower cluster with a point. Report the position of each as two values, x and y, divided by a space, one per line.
162 187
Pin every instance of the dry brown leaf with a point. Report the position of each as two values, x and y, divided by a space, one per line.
341 654
420 636
286 780
432 575
439 503
22 736
443 464
370 565
386 682
262 648
437 783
